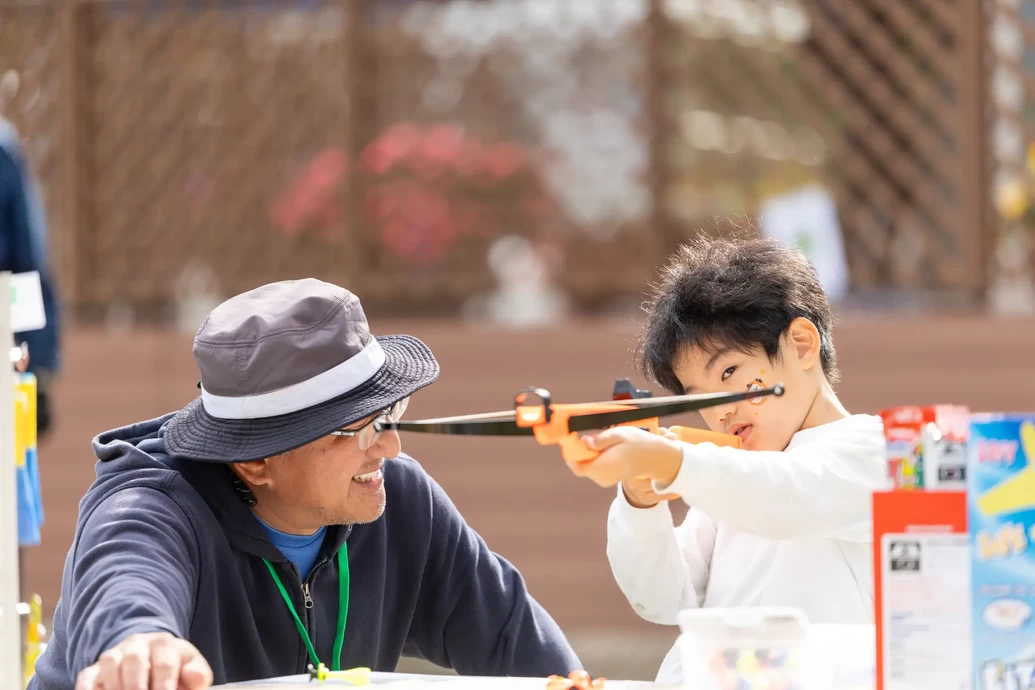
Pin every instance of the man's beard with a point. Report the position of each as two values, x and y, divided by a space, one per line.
351 518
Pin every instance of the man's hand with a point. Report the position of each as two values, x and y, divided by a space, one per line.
629 453
148 661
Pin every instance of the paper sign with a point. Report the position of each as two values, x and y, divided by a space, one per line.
922 590
925 624
27 312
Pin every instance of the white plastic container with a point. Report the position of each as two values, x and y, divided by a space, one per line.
743 648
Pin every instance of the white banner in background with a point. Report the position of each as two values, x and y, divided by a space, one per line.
27 312
807 219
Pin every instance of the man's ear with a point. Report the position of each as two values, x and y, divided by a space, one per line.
254 472
805 342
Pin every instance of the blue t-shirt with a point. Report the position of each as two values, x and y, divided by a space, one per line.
300 549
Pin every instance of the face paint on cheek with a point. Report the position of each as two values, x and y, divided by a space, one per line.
757 385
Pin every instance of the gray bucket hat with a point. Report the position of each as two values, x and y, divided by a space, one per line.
285 364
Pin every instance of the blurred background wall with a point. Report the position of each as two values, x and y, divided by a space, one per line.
502 178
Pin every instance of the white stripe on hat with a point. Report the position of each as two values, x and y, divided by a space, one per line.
326 385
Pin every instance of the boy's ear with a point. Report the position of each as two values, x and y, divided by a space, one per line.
805 340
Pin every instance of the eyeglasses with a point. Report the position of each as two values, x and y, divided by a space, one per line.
368 434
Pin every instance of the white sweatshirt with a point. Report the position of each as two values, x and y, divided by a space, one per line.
765 528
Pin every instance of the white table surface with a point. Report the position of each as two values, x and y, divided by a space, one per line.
415 681
842 657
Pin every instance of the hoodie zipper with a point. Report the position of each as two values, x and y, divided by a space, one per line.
308 604
307 599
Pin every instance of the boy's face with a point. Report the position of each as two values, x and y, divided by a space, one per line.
765 423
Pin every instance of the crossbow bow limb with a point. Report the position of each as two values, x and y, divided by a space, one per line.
561 423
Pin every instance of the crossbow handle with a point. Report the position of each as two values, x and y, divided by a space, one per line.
689 434
574 449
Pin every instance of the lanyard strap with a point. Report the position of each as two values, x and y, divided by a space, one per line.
343 609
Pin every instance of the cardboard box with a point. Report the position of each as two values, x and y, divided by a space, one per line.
926 446
1001 516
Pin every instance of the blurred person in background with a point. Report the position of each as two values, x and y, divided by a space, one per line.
23 248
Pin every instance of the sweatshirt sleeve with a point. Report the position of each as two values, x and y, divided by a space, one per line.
134 571
477 616
821 488
21 250
661 569
16 245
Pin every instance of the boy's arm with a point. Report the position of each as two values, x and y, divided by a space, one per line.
813 490
660 569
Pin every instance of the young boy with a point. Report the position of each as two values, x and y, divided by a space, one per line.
785 521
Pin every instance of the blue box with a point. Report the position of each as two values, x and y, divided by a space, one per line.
1001 523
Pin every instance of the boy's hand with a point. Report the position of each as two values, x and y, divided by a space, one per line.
640 493
629 453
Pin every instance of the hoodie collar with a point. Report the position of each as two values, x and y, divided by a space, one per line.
212 481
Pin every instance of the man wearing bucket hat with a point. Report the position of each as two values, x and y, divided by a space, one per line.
268 526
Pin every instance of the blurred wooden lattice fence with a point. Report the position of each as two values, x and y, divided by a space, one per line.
388 144
877 99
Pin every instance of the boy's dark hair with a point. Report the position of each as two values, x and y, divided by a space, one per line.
737 292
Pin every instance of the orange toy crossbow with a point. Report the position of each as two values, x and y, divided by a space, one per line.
560 423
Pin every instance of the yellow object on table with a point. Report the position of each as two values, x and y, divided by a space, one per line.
356 676
33 637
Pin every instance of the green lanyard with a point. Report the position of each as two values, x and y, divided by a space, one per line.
343 609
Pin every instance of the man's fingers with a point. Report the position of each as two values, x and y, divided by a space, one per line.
109 676
87 679
165 663
135 668
196 674
148 661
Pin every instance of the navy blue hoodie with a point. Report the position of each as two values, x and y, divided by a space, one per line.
164 544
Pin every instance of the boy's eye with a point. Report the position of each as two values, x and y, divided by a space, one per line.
728 372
